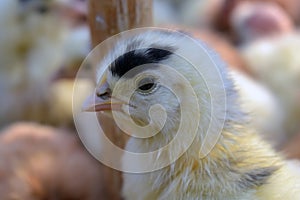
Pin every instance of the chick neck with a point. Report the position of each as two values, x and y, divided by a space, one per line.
240 161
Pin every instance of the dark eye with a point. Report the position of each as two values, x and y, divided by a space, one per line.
146 86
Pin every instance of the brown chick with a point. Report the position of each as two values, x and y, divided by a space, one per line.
39 162
292 7
292 147
223 19
253 20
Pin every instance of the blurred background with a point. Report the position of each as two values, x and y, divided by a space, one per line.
44 42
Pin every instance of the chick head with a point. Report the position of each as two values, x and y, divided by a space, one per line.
166 79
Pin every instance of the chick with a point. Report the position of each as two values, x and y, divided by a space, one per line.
31 50
263 109
65 78
255 20
39 162
291 148
76 11
275 62
291 7
239 166
190 12
35 43
258 101
223 47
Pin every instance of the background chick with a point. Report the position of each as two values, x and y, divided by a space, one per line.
191 12
292 148
252 20
275 62
38 162
28 58
36 43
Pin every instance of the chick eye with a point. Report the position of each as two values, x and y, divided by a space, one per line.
146 86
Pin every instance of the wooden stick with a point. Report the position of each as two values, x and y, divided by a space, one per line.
107 18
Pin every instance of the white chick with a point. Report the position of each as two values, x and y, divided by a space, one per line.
240 165
164 13
76 47
190 12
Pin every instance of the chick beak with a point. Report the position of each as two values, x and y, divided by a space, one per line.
101 100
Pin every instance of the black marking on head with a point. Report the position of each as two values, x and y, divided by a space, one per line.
257 177
138 57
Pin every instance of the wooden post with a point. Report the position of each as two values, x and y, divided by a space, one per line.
107 18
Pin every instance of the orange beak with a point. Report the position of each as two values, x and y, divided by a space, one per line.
101 100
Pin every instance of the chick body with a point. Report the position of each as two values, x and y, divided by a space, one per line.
239 166
29 55
275 62
35 43
39 162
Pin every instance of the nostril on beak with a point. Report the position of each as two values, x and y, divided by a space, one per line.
103 91
105 95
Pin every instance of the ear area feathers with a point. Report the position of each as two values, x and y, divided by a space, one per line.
257 177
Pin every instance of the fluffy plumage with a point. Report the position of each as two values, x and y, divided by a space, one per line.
240 166
219 43
261 105
35 42
254 20
30 52
39 162
28 55
263 109
275 62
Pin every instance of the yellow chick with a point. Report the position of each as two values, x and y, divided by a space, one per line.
31 50
35 43
238 166
275 62
263 109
